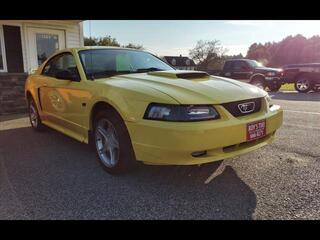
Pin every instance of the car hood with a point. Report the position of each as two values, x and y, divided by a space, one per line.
194 87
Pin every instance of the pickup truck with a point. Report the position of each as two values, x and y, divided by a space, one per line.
306 77
253 72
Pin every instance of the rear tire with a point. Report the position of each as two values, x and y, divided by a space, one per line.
259 82
303 84
34 116
112 142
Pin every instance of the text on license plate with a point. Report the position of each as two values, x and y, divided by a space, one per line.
256 130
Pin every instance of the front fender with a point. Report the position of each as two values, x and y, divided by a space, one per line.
256 75
130 101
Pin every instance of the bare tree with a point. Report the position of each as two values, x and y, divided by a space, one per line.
207 52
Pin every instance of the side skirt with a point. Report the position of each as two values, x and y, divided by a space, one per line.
66 131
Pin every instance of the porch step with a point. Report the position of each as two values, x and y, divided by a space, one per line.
12 99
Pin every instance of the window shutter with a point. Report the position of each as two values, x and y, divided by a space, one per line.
12 42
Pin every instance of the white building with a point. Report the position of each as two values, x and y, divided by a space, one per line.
25 44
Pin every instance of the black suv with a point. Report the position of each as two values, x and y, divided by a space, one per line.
253 72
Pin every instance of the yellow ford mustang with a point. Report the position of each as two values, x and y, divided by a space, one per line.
133 106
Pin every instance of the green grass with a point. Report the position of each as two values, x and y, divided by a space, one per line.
287 87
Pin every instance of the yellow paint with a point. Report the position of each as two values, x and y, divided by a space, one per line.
154 142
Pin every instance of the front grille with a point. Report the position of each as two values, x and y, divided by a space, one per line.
233 107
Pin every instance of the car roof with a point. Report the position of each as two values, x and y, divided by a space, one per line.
77 49
99 47
302 65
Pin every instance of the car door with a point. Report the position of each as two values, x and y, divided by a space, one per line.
63 96
226 71
241 70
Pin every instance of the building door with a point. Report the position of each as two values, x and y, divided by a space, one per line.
42 43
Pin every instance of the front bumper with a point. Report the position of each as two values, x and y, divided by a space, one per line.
275 80
158 142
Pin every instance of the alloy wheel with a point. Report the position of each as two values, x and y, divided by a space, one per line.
107 143
33 114
303 84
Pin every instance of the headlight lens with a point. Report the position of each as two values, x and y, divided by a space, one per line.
281 72
269 101
180 113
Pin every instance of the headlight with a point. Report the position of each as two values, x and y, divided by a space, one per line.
281 72
180 113
271 73
269 101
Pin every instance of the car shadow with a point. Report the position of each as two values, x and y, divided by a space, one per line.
296 96
51 176
226 196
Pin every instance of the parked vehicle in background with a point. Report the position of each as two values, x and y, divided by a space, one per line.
306 77
253 72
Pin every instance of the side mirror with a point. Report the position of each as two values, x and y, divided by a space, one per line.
66 75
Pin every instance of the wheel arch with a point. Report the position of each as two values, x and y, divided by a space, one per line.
303 74
34 95
101 105
28 94
257 75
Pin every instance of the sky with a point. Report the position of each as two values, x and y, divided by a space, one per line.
175 37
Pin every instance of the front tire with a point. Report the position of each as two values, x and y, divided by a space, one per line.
303 84
112 143
274 87
259 82
34 116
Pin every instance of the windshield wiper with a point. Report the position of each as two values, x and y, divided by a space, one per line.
151 69
107 74
104 74
113 73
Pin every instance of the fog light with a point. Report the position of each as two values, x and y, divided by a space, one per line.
199 153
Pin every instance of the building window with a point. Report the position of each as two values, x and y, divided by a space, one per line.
3 65
47 44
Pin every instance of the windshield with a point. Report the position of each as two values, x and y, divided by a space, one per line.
101 63
254 63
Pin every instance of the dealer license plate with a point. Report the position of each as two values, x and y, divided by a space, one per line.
256 130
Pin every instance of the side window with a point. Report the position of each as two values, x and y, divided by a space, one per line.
228 65
62 67
240 66
48 67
